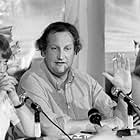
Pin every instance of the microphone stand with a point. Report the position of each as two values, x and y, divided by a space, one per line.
130 130
37 120
132 104
127 99
39 110
130 116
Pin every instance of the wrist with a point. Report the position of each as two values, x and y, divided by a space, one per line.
19 102
16 102
89 127
116 91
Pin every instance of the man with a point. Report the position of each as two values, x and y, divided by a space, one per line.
9 98
65 94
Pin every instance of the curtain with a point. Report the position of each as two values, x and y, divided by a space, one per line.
122 24
76 13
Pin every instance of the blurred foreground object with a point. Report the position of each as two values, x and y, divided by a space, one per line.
15 62
7 32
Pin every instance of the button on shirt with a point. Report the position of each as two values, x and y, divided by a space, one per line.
80 93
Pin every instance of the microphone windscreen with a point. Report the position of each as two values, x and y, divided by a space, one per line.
94 116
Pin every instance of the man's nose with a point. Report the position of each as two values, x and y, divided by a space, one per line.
60 54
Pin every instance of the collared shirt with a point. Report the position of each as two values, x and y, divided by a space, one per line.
80 93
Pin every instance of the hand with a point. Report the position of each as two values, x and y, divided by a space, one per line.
122 75
113 123
91 127
8 84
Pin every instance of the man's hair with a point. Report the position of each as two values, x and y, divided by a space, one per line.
41 43
5 47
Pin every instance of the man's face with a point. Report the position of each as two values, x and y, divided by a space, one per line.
59 53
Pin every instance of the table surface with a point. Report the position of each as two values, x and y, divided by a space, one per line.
80 136
137 137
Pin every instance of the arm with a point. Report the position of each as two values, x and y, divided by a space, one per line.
23 113
121 79
26 117
35 89
105 105
73 127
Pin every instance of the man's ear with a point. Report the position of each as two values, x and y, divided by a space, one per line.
43 53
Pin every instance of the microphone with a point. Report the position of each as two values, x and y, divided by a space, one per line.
94 116
131 104
126 98
37 124
38 108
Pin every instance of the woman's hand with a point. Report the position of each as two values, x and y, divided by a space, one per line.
91 127
8 84
122 75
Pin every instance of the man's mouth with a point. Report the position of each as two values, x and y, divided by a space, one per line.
60 63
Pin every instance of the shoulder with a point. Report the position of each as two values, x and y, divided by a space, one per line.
30 78
35 72
31 82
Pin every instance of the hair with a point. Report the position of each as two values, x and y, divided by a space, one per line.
41 43
5 47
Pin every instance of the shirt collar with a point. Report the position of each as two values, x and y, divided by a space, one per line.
53 79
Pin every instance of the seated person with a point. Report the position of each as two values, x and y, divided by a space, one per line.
21 116
66 94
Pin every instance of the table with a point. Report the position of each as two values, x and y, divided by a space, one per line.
109 135
94 138
137 137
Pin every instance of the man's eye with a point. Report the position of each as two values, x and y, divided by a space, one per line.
68 48
53 48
